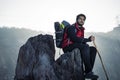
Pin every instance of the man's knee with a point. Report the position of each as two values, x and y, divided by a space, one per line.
93 50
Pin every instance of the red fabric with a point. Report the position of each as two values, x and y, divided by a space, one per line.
79 33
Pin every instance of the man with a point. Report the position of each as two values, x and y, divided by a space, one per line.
74 38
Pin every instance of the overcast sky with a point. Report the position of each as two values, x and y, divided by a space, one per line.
41 14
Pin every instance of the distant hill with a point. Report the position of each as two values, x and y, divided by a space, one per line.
11 39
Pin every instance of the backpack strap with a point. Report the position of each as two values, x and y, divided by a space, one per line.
65 31
73 25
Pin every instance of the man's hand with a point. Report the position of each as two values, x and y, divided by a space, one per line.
92 38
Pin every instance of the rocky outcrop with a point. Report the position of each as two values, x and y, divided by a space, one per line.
71 62
36 61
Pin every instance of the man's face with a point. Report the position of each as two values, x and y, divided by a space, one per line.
81 20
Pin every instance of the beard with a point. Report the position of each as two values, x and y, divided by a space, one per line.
80 24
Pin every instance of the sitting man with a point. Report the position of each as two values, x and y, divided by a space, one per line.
74 38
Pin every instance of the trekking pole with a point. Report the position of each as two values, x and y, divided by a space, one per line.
101 61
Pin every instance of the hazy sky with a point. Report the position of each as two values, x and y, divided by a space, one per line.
41 14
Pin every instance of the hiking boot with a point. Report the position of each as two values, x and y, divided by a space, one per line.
91 75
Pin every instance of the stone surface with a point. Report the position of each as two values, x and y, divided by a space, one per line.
71 61
36 61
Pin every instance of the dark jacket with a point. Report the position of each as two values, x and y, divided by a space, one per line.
74 34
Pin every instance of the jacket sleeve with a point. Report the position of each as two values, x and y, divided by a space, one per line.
73 37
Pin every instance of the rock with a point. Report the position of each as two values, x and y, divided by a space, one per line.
71 62
36 61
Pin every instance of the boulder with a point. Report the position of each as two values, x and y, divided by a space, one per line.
36 61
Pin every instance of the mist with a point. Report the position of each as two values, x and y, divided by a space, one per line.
108 44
